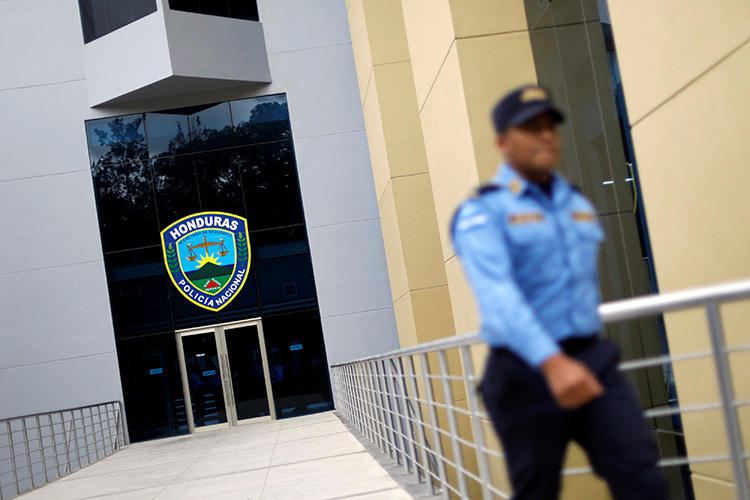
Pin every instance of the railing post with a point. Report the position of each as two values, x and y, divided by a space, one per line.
13 457
439 455
390 394
368 403
476 423
726 393
382 437
54 445
411 374
41 448
448 394
28 451
387 414
403 416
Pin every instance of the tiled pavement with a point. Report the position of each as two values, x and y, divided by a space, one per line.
310 457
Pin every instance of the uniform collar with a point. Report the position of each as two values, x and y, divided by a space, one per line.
508 178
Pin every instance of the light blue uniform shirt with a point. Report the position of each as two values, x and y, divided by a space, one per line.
532 262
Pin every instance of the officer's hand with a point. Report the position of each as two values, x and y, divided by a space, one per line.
571 383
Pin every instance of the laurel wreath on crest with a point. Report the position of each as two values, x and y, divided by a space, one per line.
172 261
241 247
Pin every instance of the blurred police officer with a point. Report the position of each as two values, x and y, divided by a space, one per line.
529 243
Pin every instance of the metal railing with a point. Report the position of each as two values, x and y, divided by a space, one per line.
39 448
405 401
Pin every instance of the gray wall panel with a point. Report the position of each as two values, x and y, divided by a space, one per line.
349 262
357 335
337 179
42 131
53 222
40 42
322 100
67 383
318 23
72 320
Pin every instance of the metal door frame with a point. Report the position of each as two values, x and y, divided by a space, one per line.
224 370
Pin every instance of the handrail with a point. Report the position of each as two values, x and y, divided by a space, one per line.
40 447
379 393
610 312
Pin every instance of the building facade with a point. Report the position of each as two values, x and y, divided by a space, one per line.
340 135
651 137
123 118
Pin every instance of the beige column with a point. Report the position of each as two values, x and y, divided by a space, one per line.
399 164
685 68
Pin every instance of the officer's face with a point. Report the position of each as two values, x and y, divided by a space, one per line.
533 146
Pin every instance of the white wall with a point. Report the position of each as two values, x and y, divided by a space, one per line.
58 349
56 330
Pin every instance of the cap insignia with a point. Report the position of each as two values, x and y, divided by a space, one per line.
533 94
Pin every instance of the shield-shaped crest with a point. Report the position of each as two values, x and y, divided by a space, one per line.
207 257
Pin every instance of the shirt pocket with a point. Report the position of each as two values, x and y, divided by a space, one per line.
588 235
534 246
529 229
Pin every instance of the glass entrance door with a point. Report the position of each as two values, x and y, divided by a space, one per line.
204 380
225 374
248 372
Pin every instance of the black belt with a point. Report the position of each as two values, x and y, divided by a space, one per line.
571 345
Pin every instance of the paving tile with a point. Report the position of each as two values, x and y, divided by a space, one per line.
107 484
313 456
390 494
308 431
314 448
242 485
235 461
327 478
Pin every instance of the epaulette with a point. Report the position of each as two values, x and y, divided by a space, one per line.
478 192
486 188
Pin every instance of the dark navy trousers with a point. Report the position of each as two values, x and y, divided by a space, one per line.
535 431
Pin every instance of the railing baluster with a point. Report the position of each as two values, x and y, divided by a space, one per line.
726 395
453 426
41 448
411 373
476 423
399 418
439 454
13 456
378 412
54 445
386 415
28 451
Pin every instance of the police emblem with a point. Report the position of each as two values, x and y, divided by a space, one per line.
207 257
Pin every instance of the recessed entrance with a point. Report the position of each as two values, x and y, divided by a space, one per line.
225 375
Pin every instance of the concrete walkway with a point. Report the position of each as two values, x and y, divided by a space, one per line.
311 457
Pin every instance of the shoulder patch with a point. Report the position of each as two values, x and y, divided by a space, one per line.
486 188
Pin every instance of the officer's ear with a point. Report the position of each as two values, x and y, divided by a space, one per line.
501 141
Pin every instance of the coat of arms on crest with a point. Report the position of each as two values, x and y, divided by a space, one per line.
207 257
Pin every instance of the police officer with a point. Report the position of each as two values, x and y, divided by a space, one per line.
529 243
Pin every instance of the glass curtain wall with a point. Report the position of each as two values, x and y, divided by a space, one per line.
236 9
151 169
575 59
100 17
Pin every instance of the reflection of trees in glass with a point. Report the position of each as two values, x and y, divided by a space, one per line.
219 182
178 144
121 142
122 182
205 138
125 202
268 121
176 188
